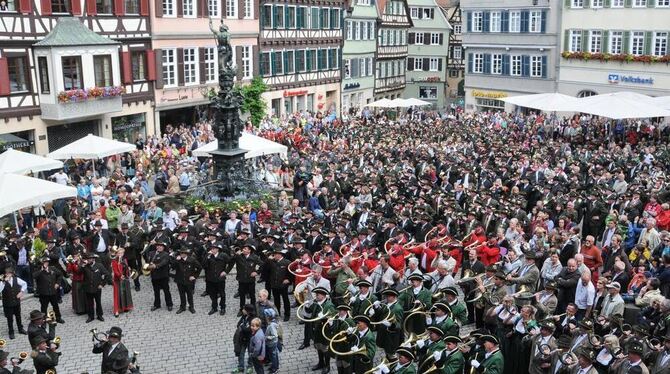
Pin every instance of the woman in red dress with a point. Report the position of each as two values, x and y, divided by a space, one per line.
78 294
123 301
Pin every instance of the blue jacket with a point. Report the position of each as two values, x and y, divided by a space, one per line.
257 344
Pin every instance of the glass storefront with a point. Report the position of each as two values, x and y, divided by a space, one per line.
129 128
23 141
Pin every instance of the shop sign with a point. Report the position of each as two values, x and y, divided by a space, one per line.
489 94
351 86
630 79
127 126
428 79
294 93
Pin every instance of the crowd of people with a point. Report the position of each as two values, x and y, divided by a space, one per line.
545 237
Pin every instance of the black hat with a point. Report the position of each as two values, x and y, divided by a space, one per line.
586 353
564 341
442 306
344 307
321 290
160 242
453 339
218 245
124 226
450 291
363 283
36 314
491 268
548 325
99 224
38 340
45 259
635 347
406 352
184 249
586 324
298 240
436 330
490 338
362 318
415 277
530 255
250 246
551 285
500 275
115 332
245 232
390 291
3 355
280 251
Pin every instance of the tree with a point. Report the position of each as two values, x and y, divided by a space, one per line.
252 100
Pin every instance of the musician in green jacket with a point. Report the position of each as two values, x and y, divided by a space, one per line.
363 299
427 347
414 297
451 360
337 324
458 309
443 320
344 275
493 361
323 308
405 364
389 333
362 362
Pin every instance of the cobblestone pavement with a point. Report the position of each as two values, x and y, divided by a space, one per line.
167 343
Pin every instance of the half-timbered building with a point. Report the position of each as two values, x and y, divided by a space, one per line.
187 58
300 54
73 67
392 27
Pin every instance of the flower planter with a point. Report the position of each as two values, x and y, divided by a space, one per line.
81 109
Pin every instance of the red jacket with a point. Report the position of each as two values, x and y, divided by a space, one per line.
77 274
425 253
489 255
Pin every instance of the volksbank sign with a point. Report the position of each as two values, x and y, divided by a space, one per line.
629 79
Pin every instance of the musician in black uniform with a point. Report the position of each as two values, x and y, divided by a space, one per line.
280 279
215 276
247 265
114 353
12 290
159 264
38 327
47 284
44 356
95 278
187 271
132 239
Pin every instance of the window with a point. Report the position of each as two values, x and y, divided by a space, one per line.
372 30
639 3
132 6
168 8
495 22
515 63
191 65
335 18
325 18
72 78
102 68
617 3
18 73
477 21
637 43
577 4
515 21
458 29
535 21
616 42
596 3
278 22
170 67
434 64
277 63
427 92
63 6
213 8
662 3
188 8
323 59
248 9
496 63
414 13
247 62
357 30
43 67
536 66
596 41
210 64
660 43
575 41
289 61
478 63
300 61
434 38
363 2
231 8
265 64
369 62
138 64
350 31
267 17
290 17
101 7
365 33
418 38
314 15
427 13
347 69
361 67
418 64
458 52
8 7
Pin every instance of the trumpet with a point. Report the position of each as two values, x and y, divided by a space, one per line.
50 371
19 360
146 270
100 337
134 274
3 343
57 340
385 362
51 318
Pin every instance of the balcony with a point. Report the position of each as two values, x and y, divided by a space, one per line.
80 104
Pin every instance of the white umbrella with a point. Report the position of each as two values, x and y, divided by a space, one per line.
17 162
254 145
662 102
20 191
400 103
622 105
381 103
416 102
548 102
91 147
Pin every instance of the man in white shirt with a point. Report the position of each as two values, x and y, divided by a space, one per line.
60 177
12 290
584 296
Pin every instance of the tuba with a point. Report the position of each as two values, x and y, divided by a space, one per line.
413 338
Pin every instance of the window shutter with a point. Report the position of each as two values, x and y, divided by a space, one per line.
441 38
439 64
240 9
45 7
585 40
202 66
180 66
4 77
274 17
505 64
180 7
91 10
159 8
299 18
486 22
524 20
647 42
626 42
286 17
504 21
354 68
468 25
487 63
199 8
426 64
26 6
308 60
238 62
543 22
628 3
608 3
470 63
255 60
410 38
567 3
410 63
586 4
651 3
566 40
119 8
544 66
157 66
144 8
525 65
605 45
126 69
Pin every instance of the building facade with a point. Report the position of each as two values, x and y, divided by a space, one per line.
511 48
300 54
187 58
455 58
427 53
74 67
391 57
358 54
615 45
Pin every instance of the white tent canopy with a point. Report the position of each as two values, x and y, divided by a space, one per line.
255 145
19 191
548 102
399 103
17 162
662 102
382 103
91 147
416 102
622 105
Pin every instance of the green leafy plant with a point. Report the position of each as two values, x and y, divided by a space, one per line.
38 248
240 206
252 100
